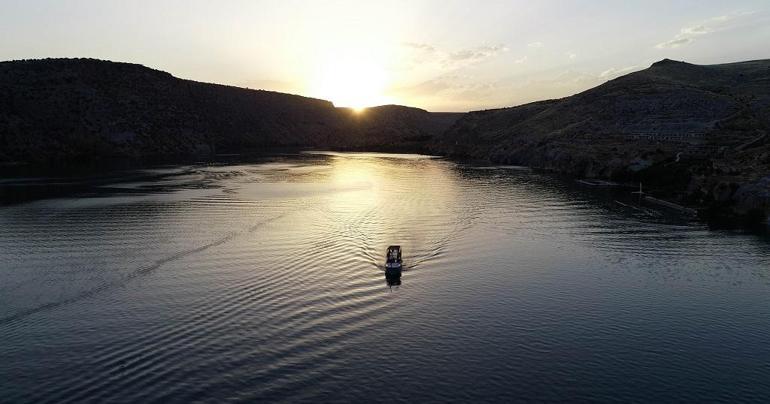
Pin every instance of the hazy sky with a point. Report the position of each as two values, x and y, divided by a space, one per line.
434 54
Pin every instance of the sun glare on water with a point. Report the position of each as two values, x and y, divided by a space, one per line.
352 83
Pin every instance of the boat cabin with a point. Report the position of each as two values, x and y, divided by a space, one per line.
393 257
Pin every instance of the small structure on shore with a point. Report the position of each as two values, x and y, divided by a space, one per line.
598 183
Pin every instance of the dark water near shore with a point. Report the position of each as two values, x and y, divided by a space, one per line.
264 282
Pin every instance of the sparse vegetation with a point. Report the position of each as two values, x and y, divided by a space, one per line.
695 134
59 111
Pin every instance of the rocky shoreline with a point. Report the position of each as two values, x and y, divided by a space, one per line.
694 135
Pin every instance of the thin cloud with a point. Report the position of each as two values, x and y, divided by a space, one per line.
521 60
452 86
614 72
675 43
688 34
696 30
427 53
537 44
420 46
571 55
477 54
430 88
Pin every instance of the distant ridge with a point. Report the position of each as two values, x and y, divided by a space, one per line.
697 134
58 111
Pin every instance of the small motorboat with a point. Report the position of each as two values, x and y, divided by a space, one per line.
393 258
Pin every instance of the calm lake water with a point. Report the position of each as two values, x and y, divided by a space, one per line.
265 282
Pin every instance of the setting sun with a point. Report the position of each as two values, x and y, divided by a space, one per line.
351 82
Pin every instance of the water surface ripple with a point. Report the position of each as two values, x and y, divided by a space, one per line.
264 282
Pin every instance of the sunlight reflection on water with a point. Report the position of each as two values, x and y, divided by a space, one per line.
265 281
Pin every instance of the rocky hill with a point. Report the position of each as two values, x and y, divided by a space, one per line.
64 110
414 128
694 134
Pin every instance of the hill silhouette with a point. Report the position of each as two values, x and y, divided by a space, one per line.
65 110
696 134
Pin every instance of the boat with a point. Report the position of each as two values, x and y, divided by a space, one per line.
393 258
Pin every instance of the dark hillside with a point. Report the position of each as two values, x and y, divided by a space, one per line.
64 110
695 134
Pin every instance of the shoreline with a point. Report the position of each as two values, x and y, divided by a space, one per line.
86 172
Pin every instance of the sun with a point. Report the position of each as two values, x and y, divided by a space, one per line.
352 83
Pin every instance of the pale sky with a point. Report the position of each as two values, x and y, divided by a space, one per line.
441 55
